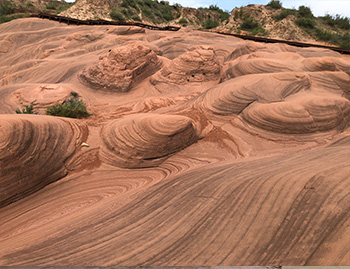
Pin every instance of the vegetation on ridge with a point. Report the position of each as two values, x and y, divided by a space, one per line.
28 109
332 29
9 10
137 10
73 107
276 4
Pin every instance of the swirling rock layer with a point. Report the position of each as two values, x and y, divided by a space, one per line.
33 153
201 149
257 63
145 140
232 97
306 115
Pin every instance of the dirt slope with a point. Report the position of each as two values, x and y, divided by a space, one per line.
210 151
89 10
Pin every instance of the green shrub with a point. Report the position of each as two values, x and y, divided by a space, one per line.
28 109
117 15
305 12
72 108
337 20
324 35
276 4
7 18
177 6
147 12
52 6
6 8
126 3
306 22
209 24
74 94
259 31
214 8
328 19
135 17
223 15
249 23
149 3
342 41
63 7
127 12
183 22
342 22
166 13
285 13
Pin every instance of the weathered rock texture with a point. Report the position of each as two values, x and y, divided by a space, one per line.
33 153
201 149
122 68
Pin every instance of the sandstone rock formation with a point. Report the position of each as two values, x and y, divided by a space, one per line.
198 65
203 149
122 68
145 140
33 153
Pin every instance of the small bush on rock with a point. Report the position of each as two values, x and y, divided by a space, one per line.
71 108
28 109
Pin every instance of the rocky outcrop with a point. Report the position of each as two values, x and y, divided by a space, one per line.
198 65
122 68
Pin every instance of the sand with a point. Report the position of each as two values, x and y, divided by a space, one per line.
203 149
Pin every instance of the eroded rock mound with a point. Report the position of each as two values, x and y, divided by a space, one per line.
145 140
122 68
306 114
198 65
44 95
326 64
33 153
289 102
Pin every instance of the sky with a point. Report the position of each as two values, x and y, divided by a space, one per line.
318 7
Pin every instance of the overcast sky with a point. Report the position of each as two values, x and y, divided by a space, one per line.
318 7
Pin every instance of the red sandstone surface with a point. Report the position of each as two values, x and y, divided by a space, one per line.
203 149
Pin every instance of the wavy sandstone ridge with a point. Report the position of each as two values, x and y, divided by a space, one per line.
33 153
145 140
305 115
233 96
265 63
201 149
